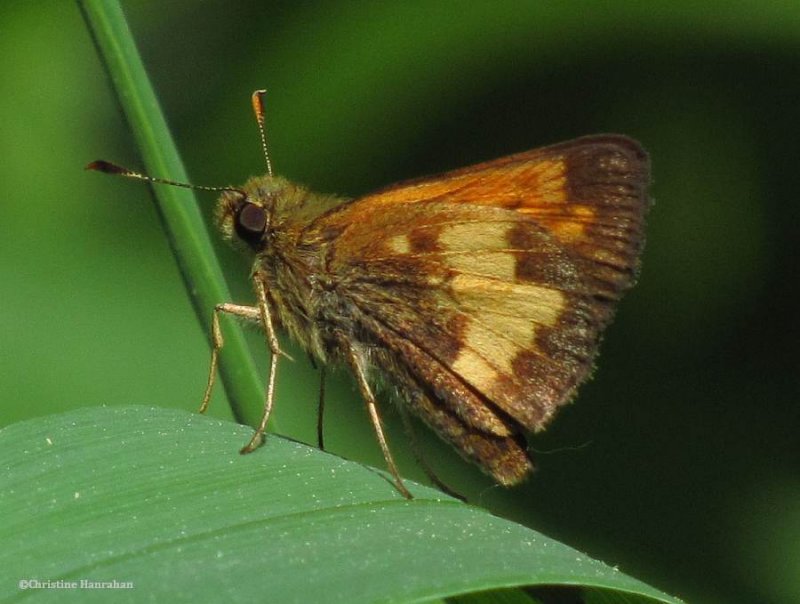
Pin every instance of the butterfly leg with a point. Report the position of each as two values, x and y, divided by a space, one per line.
265 317
321 410
357 364
260 314
417 450
246 312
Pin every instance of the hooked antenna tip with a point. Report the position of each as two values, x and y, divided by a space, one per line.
101 165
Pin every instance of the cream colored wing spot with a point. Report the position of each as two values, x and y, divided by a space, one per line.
568 224
491 299
503 319
494 265
516 331
553 182
474 237
474 368
483 240
399 244
498 351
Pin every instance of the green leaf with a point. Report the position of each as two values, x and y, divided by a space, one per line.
161 498
177 207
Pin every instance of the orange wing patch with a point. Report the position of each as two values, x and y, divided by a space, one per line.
579 190
536 179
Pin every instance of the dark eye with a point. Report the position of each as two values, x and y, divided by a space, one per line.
251 222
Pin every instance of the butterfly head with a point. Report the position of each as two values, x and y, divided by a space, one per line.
248 216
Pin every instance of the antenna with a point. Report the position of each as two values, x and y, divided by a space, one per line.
258 108
109 168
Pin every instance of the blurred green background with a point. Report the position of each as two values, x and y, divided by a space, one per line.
680 460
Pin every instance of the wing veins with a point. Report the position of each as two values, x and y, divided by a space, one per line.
497 409
472 317
452 253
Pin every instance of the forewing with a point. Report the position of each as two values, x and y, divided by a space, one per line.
590 194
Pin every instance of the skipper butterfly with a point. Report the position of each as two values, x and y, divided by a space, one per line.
479 294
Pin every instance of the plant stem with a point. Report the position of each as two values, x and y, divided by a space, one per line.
177 208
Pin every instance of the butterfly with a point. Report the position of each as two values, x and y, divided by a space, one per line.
480 295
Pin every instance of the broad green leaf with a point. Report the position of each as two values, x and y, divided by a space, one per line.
162 499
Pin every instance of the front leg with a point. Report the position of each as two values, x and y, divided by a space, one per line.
265 317
261 314
245 312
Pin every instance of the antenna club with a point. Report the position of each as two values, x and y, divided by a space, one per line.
257 99
258 108
107 167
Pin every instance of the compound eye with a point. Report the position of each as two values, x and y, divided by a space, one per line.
251 222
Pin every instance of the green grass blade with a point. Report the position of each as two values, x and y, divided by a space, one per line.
180 216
